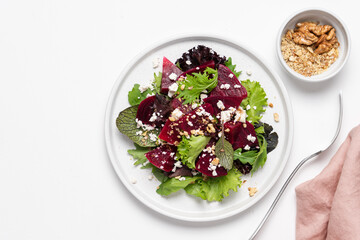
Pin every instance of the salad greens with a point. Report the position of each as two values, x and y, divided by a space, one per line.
190 88
184 140
189 149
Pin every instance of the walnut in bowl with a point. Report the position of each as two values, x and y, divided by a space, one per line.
313 45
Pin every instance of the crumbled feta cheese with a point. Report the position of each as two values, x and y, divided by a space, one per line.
190 123
203 96
248 107
172 89
182 179
150 177
251 138
173 76
254 107
153 137
143 88
214 173
248 72
225 86
194 105
153 117
247 147
156 62
220 105
237 86
138 133
176 114
188 62
133 180
225 116
231 75
197 68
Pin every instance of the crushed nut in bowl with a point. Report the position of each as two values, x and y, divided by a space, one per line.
310 49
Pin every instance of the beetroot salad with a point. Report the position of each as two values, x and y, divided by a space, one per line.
197 126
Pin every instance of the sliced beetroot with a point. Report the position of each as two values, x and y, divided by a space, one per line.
184 108
199 69
170 73
145 110
234 87
162 157
240 134
206 163
196 120
228 101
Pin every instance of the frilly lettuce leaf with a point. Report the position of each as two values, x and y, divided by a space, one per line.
196 83
256 100
139 154
232 67
211 189
189 149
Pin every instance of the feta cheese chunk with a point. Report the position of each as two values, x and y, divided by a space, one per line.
176 114
173 76
220 105
156 62
172 89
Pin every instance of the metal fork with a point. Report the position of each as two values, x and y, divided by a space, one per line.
298 167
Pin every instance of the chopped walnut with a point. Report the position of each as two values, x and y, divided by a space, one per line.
310 48
252 191
276 117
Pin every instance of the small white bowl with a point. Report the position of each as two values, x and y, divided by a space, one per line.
322 17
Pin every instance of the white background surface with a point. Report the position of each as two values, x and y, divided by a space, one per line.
58 63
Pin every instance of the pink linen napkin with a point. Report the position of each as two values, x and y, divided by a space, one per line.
328 206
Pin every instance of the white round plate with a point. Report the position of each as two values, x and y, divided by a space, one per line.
180 205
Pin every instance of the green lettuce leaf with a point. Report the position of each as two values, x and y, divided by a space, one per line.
211 189
255 158
139 154
262 154
135 96
232 67
215 189
189 149
196 83
256 100
127 125
173 185
157 82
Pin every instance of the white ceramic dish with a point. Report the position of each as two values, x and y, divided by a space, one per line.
180 205
323 17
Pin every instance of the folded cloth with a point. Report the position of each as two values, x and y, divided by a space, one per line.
328 206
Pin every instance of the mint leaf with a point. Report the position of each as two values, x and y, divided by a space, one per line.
127 125
196 83
225 153
256 100
189 149
232 67
135 96
139 154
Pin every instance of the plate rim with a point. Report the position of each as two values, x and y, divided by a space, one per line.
184 37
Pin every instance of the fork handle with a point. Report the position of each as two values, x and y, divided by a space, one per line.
282 191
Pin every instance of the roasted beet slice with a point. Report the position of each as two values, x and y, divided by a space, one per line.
198 56
184 108
241 135
145 110
199 69
196 120
162 157
228 101
207 164
228 84
170 73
